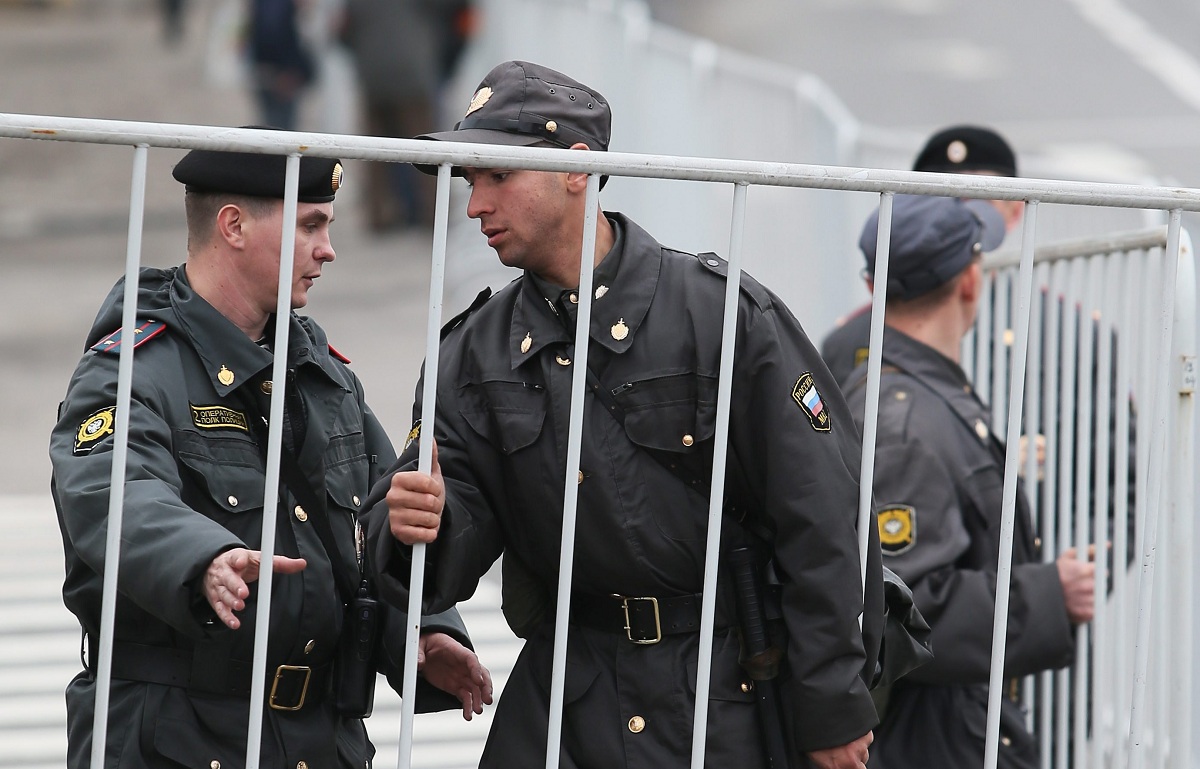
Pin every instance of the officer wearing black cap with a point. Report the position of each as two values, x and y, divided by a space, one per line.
938 489
185 614
496 486
961 149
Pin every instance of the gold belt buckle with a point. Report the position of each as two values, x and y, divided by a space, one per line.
629 626
279 673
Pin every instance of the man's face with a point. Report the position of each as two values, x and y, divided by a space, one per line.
313 249
525 215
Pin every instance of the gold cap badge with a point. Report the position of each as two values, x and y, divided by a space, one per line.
336 181
225 376
526 343
479 99
956 151
551 126
620 330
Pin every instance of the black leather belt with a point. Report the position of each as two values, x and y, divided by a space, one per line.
211 671
641 619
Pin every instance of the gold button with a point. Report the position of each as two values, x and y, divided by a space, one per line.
747 686
308 647
356 500
560 360
901 395
1006 741
301 765
233 502
636 724
688 440
574 298
581 476
266 387
1037 542
300 514
214 764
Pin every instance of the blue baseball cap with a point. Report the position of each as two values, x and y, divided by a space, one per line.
933 240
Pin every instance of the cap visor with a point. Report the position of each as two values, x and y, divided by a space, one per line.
993 223
475 136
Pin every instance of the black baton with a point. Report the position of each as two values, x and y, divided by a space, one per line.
761 660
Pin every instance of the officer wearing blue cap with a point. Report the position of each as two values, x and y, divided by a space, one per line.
938 490
504 387
184 635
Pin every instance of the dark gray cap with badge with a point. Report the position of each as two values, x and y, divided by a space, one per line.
521 104
933 240
257 175
965 149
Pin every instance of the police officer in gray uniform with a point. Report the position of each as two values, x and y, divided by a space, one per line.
194 496
939 475
501 440
960 149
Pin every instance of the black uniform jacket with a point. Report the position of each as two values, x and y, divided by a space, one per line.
845 348
194 488
502 421
939 474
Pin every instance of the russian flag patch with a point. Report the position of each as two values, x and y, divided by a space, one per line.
809 400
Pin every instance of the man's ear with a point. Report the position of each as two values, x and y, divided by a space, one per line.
970 283
231 223
577 180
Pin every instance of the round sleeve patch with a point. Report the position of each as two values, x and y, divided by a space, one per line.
94 428
897 528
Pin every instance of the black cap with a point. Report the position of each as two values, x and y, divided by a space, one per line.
258 175
966 149
519 104
933 239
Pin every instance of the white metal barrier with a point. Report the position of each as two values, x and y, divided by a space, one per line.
1160 739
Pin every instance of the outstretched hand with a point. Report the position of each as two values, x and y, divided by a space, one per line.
454 668
227 580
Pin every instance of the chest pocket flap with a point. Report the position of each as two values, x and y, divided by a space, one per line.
509 415
229 469
671 413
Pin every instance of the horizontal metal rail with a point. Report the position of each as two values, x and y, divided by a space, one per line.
178 136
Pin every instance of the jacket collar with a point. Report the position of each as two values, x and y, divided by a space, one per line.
624 284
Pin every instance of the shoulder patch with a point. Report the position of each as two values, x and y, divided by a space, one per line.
457 320
94 428
143 332
897 528
809 400
333 351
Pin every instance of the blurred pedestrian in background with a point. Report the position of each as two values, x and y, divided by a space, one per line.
403 51
961 149
283 67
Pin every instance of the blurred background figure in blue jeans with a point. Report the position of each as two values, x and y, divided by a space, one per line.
403 51
283 67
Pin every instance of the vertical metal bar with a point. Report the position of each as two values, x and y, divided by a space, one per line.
1083 472
984 340
566 562
116 482
1101 674
883 245
266 574
1069 363
1183 574
416 591
1033 417
1049 531
1128 280
1154 487
1008 514
1002 340
708 605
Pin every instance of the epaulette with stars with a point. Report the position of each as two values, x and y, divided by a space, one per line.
143 332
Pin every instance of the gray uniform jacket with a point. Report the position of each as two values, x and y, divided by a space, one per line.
195 488
502 422
939 475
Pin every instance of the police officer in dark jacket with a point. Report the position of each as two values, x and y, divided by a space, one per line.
194 496
960 149
501 439
939 475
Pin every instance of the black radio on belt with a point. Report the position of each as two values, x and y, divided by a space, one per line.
354 692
